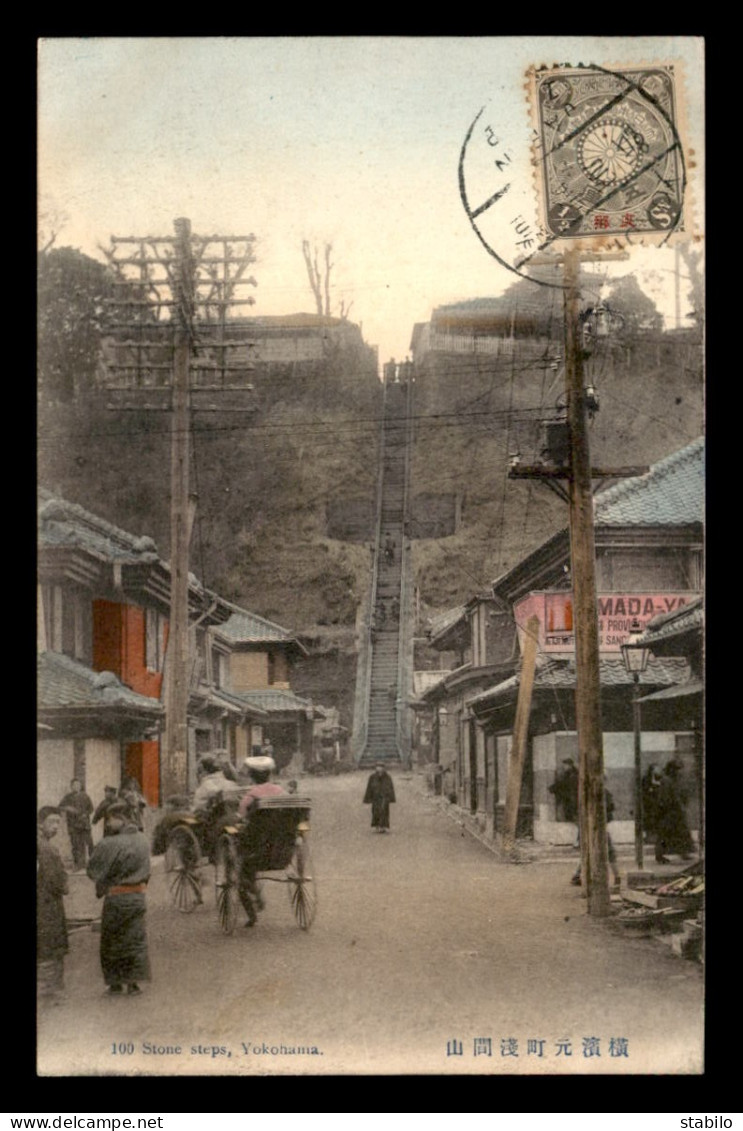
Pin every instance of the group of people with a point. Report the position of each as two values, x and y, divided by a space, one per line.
119 865
565 790
221 790
663 811
381 610
80 815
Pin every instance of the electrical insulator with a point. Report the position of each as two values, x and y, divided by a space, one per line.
592 400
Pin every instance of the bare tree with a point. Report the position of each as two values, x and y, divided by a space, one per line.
51 220
313 273
328 269
319 278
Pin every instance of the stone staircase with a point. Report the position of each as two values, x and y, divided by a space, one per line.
384 638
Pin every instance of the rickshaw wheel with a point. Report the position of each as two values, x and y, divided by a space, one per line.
302 888
182 857
226 883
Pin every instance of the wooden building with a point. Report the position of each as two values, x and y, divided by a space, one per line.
482 638
649 544
257 677
102 632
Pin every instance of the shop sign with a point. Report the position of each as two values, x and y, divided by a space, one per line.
617 613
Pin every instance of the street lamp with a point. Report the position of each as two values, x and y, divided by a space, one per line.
636 656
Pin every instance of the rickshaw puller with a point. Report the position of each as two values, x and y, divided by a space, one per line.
259 769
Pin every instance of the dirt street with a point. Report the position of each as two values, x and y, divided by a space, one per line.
424 944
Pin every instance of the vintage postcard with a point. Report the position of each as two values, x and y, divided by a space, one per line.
370 556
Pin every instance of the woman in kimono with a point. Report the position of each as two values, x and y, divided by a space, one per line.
671 831
120 868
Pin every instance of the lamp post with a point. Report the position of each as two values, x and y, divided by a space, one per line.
636 656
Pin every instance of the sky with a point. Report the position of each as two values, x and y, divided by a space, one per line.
350 140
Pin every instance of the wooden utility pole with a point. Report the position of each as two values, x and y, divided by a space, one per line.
194 291
520 734
174 767
592 803
579 495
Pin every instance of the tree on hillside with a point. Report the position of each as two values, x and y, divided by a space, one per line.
319 277
639 312
692 258
71 292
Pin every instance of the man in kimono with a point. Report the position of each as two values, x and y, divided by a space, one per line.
120 868
380 793
51 924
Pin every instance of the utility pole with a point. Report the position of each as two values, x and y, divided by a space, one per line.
182 313
174 766
592 804
579 496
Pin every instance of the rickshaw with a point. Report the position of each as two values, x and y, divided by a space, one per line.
271 844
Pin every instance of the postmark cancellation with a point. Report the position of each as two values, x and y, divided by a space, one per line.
609 161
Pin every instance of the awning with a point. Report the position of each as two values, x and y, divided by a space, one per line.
693 687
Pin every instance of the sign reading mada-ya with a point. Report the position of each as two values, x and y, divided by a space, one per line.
608 153
616 614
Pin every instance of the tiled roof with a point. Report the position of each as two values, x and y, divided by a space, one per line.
560 675
446 620
670 494
276 700
423 681
231 700
63 682
62 523
678 691
244 627
667 625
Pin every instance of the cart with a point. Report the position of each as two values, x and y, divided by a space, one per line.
271 844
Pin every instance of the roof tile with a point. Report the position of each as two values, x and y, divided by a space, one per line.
275 700
667 625
560 675
62 523
670 494
244 627
63 682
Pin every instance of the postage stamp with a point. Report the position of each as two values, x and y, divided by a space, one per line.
605 164
609 157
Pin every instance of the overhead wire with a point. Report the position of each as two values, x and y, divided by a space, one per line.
505 475
529 482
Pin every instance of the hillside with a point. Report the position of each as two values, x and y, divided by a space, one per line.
475 410
286 493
